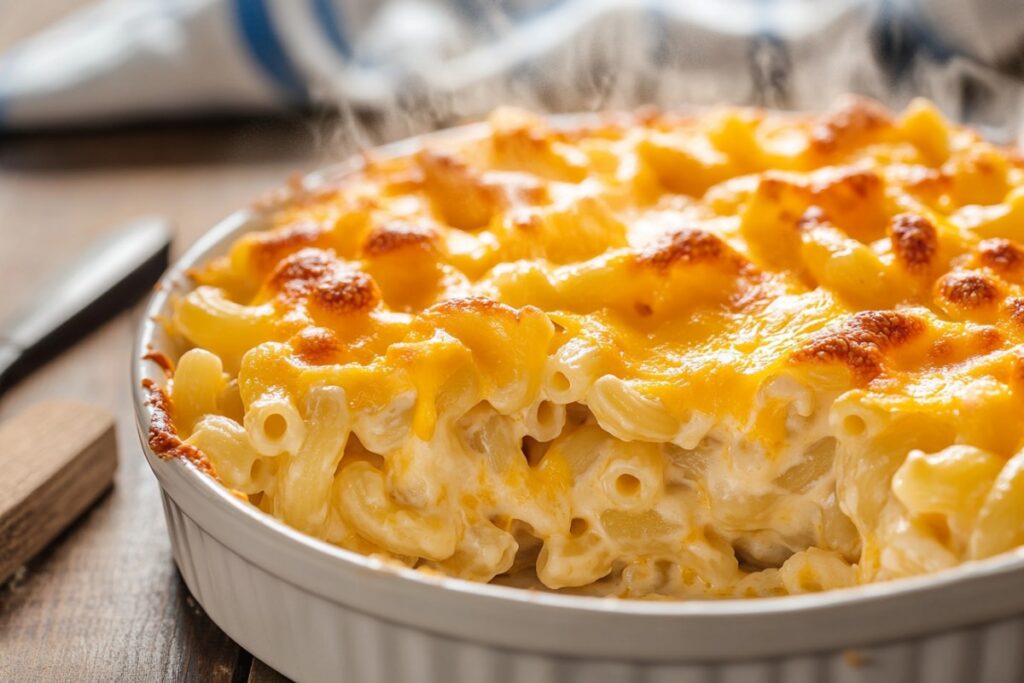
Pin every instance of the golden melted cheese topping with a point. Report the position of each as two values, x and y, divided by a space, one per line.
731 353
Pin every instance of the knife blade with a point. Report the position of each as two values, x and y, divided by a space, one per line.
110 275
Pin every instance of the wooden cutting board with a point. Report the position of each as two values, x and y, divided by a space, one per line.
56 459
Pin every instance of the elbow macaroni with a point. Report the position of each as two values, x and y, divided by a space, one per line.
733 354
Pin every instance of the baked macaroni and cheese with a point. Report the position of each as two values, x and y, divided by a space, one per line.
735 353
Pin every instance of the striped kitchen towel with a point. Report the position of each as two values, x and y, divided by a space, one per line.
433 61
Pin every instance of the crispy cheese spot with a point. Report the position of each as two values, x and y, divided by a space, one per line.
467 198
397 235
852 197
316 345
346 291
1017 367
848 123
296 274
162 360
271 246
163 435
1015 309
958 347
941 350
861 342
475 304
848 185
687 246
332 285
967 289
987 339
772 186
1000 255
914 241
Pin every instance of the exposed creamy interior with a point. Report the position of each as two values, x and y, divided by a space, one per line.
733 354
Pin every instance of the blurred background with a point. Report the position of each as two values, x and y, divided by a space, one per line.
193 108
395 66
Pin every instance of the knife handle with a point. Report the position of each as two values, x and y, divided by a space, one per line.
102 282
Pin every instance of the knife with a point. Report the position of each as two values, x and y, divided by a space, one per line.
109 276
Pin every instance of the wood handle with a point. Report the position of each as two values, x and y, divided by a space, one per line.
56 458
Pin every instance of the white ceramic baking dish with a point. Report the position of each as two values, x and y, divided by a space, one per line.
316 612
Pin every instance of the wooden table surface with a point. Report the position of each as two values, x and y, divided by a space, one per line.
104 601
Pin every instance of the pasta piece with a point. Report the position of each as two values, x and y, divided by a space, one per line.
365 505
634 476
999 526
543 420
953 483
625 413
198 384
227 445
846 266
210 320
275 426
571 561
570 373
913 550
484 552
303 496
814 570
385 430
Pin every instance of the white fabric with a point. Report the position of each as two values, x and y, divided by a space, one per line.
441 60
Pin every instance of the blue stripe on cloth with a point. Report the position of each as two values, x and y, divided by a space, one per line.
333 26
472 13
266 49
931 41
538 9
910 28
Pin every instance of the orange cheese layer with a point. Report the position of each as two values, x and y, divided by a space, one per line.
699 253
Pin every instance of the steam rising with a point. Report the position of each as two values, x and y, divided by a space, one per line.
416 69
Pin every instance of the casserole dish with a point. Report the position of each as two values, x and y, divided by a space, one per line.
318 612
